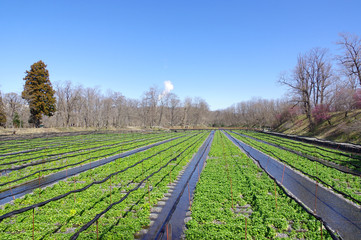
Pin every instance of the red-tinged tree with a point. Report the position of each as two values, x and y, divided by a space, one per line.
39 93
321 113
357 98
2 113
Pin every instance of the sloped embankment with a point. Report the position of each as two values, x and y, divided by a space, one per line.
340 128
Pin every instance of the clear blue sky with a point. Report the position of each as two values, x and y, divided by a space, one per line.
222 51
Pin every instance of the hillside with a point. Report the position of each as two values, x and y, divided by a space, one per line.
341 129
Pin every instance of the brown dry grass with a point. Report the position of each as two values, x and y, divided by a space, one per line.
342 129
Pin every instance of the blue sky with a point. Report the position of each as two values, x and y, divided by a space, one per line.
222 51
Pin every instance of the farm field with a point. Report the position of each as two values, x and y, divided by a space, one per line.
349 160
35 158
114 201
180 120
233 190
348 185
62 209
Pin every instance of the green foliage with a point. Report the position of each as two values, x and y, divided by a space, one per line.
16 121
2 113
343 182
58 219
71 151
253 197
213 215
39 93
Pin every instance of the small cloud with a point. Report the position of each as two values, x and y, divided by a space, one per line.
168 87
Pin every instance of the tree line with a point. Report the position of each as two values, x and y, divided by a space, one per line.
319 84
67 105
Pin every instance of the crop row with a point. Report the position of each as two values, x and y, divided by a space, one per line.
68 147
158 150
9 146
349 160
34 169
346 184
235 199
13 146
129 182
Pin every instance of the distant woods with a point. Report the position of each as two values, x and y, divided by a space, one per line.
319 84
87 107
77 106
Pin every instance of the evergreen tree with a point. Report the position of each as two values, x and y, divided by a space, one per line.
39 93
2 113
16 121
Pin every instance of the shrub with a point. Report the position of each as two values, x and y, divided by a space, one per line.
321 113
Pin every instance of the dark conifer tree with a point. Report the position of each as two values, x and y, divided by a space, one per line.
39 93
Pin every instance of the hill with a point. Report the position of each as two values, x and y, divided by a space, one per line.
340 128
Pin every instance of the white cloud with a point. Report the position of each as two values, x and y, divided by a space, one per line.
168 87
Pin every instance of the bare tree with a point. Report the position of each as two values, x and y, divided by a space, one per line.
301 86
343 99
14 106
107 111
67 101
351 58
199 112
173 109
310 80
118 109
89 99
163 100
350 80
149 106
320 74
133 112
187 104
